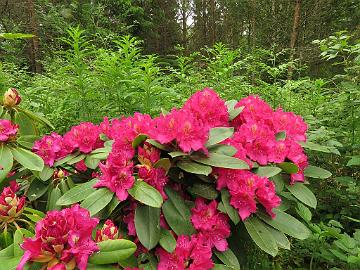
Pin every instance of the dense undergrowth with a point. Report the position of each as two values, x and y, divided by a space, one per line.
86 83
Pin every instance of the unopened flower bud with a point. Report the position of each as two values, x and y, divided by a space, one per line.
108 231
11 98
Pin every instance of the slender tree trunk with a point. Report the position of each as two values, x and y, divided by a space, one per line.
213 22
34 43
294 34
253 23
184 24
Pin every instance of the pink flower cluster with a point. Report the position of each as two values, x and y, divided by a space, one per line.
190 253
246 189
213 226
84 138
189 127
8 130
63 240
11 206
256 129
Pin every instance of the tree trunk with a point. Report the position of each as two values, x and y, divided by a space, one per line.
213 22
294 34
253 23
34 43
184 24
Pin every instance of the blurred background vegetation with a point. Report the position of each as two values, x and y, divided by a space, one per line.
94 58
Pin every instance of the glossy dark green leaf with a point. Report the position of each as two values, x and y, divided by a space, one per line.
288 167
97 201
167 240
78 193
36 189
53 195
177 214
27 141
139 140
6 161
112 251
143 192
194 167
28 159
281 240
219 134
26 125
303 212
147 224
177 154
164 163
286 224
227 150
231 211
6 239
316 172
267 171
228 258
303 194
206 191
46 173
260 235
221 161
159 145
91 162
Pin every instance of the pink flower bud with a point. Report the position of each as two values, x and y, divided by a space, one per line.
11 98
108 232
11 206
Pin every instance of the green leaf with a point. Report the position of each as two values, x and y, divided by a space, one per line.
25 123
10 263
279 183
76 159
36 189
177 214
53 196
6 239
91 162
112 251
227 150
7 252
15 35
316 172
303 194
177 154
28 159
261 236
97 200
222 267
280 136
78 193
37 117
317 147
18 239
27 141
129 262
221 161
164 163
139 140
203 190
167 240
147 225
286 224
65 159
228 258
288 167
267 171
6 161
219 134
281 240
354 161
158 145
194 167
46 173
303 212
231 211
143 192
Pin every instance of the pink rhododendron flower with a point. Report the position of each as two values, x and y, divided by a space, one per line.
191 133
50 148
190 253
62 239
7 130
246 188
129 218
209 108
11 206
85 137
148 155
212 225
165 127
155 177
292 124
108 232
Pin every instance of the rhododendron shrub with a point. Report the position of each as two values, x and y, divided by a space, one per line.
169 192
